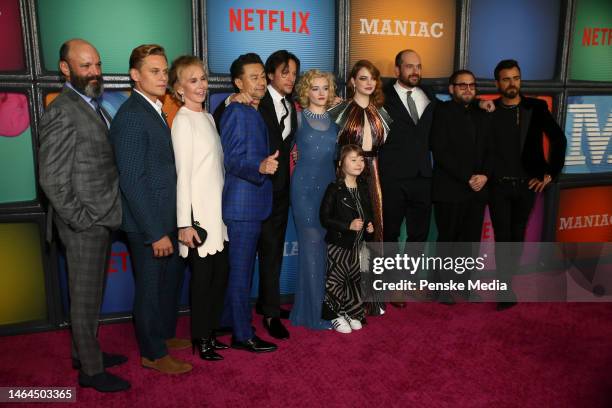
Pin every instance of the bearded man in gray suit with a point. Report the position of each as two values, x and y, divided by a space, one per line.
80 179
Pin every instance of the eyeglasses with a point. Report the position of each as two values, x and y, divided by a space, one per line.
463 86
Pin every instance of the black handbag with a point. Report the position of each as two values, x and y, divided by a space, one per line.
200 231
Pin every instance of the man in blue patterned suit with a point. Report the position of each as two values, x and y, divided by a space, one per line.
147 178
247 195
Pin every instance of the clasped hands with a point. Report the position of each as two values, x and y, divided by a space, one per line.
357 225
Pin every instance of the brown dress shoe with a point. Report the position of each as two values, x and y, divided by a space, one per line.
167 365
178 344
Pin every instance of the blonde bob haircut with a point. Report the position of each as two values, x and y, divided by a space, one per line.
305 82
177 68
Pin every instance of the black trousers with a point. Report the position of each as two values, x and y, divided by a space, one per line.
207 289
409 199
460 222
270 252
510 204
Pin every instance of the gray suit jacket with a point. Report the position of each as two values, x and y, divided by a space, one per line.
77 168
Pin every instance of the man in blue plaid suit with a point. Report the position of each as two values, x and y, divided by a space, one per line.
247 195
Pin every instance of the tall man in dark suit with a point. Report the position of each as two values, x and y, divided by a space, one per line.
520 168
79 177
279 114
247 195
404 159
147 177
459 143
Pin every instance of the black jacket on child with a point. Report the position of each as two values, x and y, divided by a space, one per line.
338 210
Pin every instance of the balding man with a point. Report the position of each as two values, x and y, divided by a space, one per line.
79 177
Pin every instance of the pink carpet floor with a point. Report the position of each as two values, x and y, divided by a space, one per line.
427 355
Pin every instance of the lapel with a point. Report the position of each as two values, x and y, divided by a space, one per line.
525 118
84 106
147 106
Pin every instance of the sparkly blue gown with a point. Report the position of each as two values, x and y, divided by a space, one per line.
316 144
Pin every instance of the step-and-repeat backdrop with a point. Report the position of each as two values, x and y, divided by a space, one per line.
564 48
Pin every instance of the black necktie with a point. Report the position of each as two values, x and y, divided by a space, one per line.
96 106
412 109
285 114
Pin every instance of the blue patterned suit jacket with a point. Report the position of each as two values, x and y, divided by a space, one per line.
147 173
247 194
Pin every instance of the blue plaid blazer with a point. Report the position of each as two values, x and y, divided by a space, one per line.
247 194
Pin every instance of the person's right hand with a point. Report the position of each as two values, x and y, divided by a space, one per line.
356 224
269 164
186 236
163 247
242 98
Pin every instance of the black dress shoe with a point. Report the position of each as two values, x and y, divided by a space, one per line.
103 382
254 345
205 349
276 328
217 345
398 305
108 360
284 313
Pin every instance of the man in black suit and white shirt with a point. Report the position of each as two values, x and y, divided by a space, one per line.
280 116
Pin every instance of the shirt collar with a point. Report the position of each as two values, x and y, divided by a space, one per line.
404 90
85 97
157 104
276 96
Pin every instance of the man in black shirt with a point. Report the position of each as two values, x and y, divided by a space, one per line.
459 136
521 168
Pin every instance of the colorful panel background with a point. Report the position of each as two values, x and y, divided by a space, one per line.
11 37
437 54
588 128
17 178
124 26
315 50
524 30
585 202
22 278
594 62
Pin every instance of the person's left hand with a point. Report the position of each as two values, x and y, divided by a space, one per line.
370 228
488 106
538 186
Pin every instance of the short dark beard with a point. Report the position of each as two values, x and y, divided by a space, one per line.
83 85
407 83
507 94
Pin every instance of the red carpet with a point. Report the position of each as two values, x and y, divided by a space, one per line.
427 355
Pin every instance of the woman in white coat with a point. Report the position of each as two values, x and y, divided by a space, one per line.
200 174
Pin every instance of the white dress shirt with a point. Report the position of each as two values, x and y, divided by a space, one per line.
157 105
420 99
280 109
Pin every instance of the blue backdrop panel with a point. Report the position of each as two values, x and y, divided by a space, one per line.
588 128
524 30
305 27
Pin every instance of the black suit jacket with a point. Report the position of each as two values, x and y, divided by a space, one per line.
536 119
460 147
405 153
280 179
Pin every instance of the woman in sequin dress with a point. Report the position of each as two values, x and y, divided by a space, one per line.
316 145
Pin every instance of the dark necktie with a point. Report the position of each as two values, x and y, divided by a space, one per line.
412 109
96 106
285 114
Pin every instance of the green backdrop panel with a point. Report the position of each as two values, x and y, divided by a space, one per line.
115 27
592 41
17 180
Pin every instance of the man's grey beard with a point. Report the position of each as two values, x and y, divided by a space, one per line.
94 90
